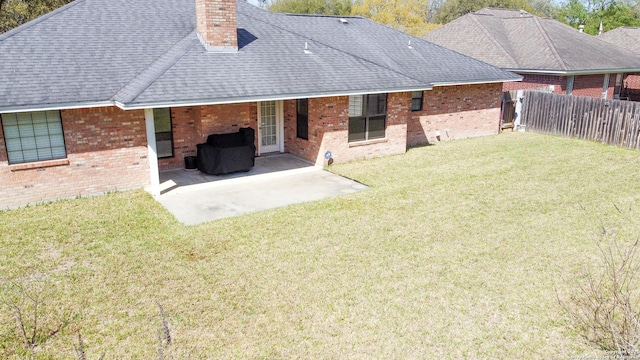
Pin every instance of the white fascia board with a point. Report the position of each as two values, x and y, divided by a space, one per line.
574 72
239 100
453 83
47 107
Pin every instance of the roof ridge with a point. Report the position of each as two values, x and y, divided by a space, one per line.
552 47
38 20
136 86
491 38
323 15
339 50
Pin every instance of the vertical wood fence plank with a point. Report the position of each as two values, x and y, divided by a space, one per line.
608 121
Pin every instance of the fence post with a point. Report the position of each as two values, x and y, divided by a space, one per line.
516 120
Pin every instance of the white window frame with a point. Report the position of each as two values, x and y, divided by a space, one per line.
33 136
359 109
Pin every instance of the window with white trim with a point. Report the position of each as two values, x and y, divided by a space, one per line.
367 117
33 136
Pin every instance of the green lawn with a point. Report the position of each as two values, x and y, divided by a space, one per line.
456 251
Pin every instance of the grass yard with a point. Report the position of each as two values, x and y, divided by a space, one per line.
456 251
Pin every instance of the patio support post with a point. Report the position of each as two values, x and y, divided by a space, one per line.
154 174
605 86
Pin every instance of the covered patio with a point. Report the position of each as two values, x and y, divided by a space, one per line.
275 181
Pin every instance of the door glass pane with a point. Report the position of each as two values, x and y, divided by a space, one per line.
268 123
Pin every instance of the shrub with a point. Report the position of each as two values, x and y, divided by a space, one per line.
605 303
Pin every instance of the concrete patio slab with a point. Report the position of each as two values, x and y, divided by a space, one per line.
276 181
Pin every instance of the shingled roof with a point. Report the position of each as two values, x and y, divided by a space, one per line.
140 53
625 37
518 41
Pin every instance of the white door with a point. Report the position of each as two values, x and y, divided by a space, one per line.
270 127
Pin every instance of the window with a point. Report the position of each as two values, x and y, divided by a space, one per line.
416 100
367 117
302 118
164 135
33 136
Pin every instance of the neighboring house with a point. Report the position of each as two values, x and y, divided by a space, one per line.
628 38
102 95
549 55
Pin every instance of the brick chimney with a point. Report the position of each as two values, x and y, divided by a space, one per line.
216 25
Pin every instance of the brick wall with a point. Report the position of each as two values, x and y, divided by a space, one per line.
106 151
192 125
221 119
583 85
216 22
530 82
329 125
305 148
591 86
106 147
185 136
632 81
456 112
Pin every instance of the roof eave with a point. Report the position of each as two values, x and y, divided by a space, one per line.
573 72
47 107
454 83
292 96
233 100
246 99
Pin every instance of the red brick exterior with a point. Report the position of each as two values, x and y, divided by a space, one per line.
107 147
591 86
632 81
583 85
321 113
632 87
456 112
216 22
106 151
329 130
192 125
530 82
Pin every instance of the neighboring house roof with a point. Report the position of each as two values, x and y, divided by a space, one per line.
140 53
625 37
518 41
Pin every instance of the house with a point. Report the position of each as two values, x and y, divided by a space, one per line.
548 54
627 38
101 95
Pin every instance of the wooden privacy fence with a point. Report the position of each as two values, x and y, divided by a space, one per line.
613 122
